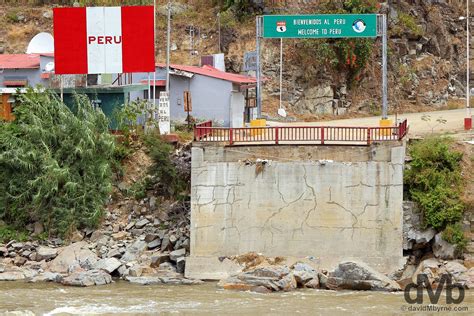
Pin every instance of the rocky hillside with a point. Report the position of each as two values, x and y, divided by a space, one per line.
426 53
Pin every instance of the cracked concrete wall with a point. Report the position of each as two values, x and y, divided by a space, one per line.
328 210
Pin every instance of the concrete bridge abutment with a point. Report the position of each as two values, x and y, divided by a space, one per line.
325 203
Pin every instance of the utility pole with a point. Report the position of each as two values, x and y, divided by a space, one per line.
384 69
168 35
219 29
154 55
468 63
259 70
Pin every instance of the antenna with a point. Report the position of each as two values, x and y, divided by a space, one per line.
40 44
49 67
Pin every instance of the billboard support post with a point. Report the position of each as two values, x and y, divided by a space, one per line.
384 69
281 72
168 35
322 26
154 55
259 70
61 87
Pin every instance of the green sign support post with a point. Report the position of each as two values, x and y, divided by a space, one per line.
322 26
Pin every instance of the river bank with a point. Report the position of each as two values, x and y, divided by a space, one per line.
130 299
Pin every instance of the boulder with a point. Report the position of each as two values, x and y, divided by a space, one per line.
468 261
12 276
443 249
3 251
77 254
120 235
134 251
135 271
304 273
158 259
96 235
88 278
19 261
353 275
154 244
167 266
174 255
47 277
108 264
114 253
76 236
431 267
17 245
274 278
323 280
287 283
141 223
455 269
151 237
312 284
45 253
165 243
180 264
466 279
421 236
148 280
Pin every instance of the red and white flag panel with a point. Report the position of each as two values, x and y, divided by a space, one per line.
97 40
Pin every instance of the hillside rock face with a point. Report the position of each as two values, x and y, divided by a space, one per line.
427 65
427 52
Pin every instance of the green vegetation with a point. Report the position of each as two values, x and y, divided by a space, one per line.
408 23
86 2
349 56
54 164
163 174
12 17
8 233
434 181
453 234
241 9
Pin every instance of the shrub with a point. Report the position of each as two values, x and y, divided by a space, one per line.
8 233
433 180
54 164
163 173
454 235
408 22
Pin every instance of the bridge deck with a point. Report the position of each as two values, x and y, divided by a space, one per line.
289 135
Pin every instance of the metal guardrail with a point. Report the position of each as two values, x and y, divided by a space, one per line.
315 135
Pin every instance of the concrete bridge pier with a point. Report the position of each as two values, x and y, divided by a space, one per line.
326 203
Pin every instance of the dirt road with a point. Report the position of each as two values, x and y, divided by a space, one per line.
454 122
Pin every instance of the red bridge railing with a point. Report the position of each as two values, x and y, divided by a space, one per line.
317 135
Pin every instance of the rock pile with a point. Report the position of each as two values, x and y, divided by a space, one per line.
434 268
83 264
419 241
348 275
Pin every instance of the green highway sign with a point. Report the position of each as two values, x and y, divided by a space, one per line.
319 26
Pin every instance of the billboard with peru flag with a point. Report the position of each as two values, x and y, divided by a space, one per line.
99 40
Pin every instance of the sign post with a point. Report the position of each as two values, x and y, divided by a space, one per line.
323 26
259 69
384 69
320 26
164 113
188 106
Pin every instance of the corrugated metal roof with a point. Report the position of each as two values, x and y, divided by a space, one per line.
20 61
213 72
15 83
157 83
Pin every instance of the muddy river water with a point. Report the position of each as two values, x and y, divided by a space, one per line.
129 299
